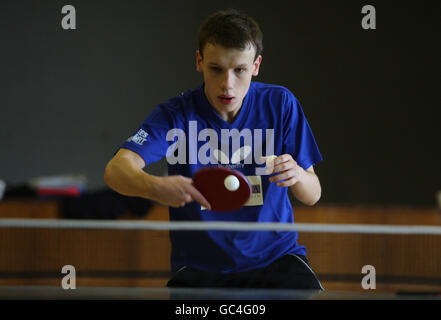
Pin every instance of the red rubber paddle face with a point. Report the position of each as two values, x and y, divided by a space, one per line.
210 182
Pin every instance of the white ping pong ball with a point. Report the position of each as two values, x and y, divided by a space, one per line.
231 183
270 161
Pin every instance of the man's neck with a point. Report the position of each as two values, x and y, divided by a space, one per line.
229 116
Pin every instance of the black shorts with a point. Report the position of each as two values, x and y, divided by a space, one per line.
290 271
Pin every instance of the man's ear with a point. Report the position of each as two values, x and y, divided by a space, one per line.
256 65
199 61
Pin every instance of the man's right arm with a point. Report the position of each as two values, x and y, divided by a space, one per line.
125 174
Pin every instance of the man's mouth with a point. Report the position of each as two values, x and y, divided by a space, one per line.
226 99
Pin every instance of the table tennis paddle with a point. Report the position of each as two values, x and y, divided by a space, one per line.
212 183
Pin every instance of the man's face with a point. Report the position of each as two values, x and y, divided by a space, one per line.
227 76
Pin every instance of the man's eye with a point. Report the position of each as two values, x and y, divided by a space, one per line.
215 69
240 70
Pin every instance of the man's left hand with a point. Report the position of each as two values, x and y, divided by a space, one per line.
288 170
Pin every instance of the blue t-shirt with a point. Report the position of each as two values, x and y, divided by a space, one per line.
188 131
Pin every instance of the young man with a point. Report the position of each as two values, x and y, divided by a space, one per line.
227 105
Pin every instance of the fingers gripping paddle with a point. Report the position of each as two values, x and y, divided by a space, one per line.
224 189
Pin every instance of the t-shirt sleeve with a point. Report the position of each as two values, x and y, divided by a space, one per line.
149 140
298 137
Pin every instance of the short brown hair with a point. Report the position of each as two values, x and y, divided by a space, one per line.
231 29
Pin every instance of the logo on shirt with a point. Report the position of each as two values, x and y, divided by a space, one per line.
246 146
140 137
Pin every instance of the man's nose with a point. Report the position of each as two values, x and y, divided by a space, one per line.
228 81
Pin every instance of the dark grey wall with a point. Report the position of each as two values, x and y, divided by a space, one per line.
69 98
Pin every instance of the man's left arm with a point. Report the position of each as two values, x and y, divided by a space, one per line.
304 184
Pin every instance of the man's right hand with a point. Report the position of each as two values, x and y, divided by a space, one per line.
124 174
177 191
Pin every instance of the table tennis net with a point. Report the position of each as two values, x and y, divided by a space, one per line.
356 258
